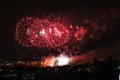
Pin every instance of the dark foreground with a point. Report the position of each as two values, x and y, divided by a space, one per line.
105 70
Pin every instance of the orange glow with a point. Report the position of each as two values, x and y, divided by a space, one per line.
63 59
51 60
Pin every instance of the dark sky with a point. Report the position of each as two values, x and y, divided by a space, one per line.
11 11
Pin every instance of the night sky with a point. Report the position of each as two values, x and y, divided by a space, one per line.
107 45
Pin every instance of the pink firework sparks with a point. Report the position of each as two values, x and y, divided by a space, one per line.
80 33
41 33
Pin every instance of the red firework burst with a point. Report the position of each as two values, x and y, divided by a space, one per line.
41 33
80 33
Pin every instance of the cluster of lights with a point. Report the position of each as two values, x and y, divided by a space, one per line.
41 33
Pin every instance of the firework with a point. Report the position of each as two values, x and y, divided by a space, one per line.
80 33
52 61
38 32
54 35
